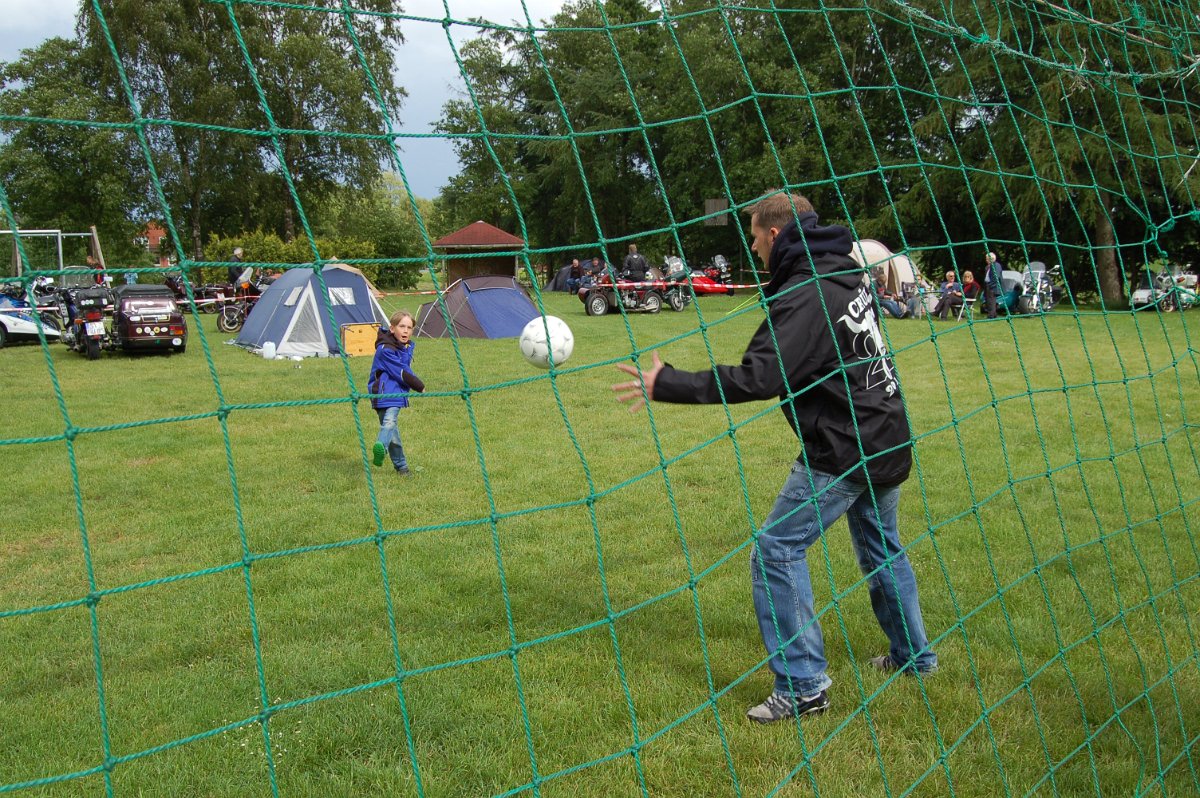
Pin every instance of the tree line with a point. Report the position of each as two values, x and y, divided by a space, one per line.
945 131
211 117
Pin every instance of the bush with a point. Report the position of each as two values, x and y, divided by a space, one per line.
259 247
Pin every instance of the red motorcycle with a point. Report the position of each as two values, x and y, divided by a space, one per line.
713 279
719 276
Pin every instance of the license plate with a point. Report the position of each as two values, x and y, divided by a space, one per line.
95 327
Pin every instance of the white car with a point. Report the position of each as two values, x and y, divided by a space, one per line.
17 322
1166 288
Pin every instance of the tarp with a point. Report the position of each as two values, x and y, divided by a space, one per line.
294 313
479 306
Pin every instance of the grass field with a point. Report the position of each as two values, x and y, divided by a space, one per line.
205 589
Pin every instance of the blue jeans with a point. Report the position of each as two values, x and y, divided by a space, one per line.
892 307
783 598
389 436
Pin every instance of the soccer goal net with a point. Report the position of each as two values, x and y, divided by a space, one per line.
210 584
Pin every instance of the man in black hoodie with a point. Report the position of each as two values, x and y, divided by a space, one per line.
819 353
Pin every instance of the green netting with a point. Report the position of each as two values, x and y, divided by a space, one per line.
205 587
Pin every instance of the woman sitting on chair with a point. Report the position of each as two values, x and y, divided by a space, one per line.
971 288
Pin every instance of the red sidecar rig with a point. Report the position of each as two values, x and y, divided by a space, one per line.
649 296
643 296
146 318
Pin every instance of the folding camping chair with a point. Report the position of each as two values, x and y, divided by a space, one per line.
967 304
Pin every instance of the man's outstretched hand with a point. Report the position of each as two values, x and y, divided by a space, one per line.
632 391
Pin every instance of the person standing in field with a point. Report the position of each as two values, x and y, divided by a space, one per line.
992 279
635 266
820 352
392 376
235 270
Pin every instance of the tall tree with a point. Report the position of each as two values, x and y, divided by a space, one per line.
68 175
169 78
327 79
206 95
1073 136
493 102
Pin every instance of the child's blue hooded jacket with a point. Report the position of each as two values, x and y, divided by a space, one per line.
391 371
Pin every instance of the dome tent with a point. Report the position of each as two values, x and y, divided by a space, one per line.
480 306
294 313
897 270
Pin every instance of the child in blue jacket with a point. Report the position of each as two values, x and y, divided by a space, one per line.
391 376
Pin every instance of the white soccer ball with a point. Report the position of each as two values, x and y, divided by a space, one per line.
535 347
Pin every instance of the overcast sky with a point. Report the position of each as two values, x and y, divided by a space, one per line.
425 64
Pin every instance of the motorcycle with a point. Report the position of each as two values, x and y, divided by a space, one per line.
719 272
232 313
44 292
707 281
1168 289
209 297
604 296
82 313
1038 294
675 271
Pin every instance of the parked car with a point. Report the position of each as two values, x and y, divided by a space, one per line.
1167 289
146 318
19 321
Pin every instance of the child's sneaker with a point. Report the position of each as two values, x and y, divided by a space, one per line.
378 452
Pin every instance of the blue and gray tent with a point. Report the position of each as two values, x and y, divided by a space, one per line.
480 306
294 313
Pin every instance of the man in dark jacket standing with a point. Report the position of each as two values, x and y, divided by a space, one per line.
820 352
635 266
992 280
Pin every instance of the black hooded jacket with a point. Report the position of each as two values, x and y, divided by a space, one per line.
832 372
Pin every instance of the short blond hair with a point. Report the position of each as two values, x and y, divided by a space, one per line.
399 316
777 209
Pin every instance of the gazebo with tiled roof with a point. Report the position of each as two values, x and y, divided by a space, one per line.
476 240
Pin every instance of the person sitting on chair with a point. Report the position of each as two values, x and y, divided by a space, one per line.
915 304
887 300
575 276
952 297
971 287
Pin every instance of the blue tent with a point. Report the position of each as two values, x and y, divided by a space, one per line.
294 313
481 306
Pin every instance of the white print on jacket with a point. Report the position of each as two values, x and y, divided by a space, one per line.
861 320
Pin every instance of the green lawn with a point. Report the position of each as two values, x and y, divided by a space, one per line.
205 589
